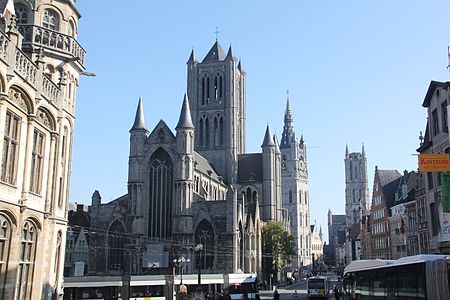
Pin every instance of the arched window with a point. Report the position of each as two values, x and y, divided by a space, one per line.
204 235
10 148
37 162
204 132
205 96
160 206
290 196
71 29
218 131
21 13
58 254
306 197
26 260
218 88
248 197
353 196
116 243
5 237
301 219
50 19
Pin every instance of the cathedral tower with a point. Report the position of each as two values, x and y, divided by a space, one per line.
295 192
356 186
216 91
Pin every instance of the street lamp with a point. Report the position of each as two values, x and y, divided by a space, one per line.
198 248
180 262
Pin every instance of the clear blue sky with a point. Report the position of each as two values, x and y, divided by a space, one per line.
357 71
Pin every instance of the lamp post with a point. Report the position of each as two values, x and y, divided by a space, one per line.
180 262
198 248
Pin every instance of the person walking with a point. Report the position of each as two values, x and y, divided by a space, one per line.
276 295
295 295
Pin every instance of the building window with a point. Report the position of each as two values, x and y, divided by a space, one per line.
204 235
37 159
5 236
71 29
444 116
218 131
204 132
160 206
218 88
10 148
435 223
21 13
430 180
290 196
58 255
50 19
435 120
116 243
26 261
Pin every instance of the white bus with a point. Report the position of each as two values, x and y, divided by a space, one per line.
317 287
93 288
412 277
148 287
239 284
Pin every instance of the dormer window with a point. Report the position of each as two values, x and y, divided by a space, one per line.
50 19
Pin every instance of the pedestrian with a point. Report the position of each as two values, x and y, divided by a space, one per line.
295 295
276 295
244 296
226 295
336 293
257 297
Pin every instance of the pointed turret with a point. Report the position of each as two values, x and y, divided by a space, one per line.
277 145
139 122
230 55
240 67
363 151
288 136
302 142
268 140
192 59
216 53
185 120
346 150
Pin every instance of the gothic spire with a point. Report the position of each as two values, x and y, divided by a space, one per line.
192 58
139 122
268 140
363 151
229 54
185 120
346 150
288 135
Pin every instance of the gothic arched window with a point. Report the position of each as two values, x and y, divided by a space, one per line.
11 144
5 237
50 19
218 88
204 235
160 204
21 13
26 260
205 96
290 196
204 132
218 131
353 196
116 242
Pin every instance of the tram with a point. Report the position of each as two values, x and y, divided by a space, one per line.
240 284
413 277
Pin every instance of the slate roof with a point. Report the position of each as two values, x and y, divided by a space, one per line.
387 176
185 120
268 138
139 122
215 54
250 167
431 89
203 166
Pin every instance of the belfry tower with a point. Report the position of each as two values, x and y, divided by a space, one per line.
356 186
295 192
216 92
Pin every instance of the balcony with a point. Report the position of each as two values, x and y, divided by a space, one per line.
50 39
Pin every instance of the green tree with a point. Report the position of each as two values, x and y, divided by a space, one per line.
278 246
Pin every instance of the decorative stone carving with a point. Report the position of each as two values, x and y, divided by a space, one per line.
17 97
43 118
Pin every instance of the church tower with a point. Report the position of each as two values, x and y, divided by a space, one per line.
356 186
216 91
41 63
295 192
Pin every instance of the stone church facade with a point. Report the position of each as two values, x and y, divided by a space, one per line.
40 65
197 185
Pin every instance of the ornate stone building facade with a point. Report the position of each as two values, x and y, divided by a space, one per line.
40 64
195 186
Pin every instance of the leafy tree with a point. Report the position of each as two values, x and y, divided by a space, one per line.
278 246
